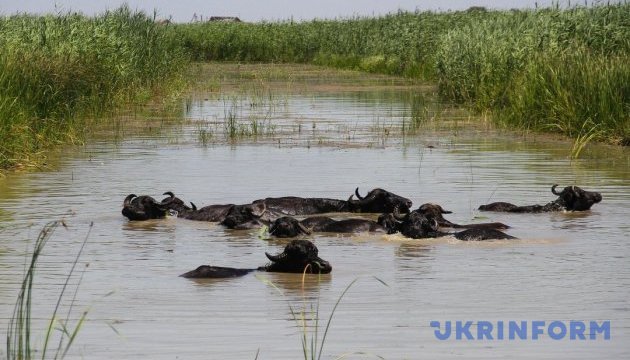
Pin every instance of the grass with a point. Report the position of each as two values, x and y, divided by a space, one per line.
59 72
20 331
547 69
312 345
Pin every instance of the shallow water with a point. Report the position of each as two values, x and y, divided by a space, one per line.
322 141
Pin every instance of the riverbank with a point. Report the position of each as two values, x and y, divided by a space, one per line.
62 74
552 70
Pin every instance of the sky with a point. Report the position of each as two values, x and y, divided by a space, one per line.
259 10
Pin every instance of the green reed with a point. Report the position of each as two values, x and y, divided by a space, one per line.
551 69
312 345
59 71
19 331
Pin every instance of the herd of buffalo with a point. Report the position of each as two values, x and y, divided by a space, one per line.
397 216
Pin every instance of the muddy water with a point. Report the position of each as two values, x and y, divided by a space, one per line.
321 138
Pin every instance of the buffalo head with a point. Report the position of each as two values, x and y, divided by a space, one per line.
177 204
287 226
378 201
576 199
389 222
417 225
145 207
298 256
245 216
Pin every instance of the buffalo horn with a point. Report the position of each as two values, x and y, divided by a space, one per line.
128 199
275 258
170 199
356 191
553 190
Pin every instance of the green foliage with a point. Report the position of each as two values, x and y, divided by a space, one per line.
55 71
548 69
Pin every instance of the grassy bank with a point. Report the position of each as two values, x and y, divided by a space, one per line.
558 70
58 72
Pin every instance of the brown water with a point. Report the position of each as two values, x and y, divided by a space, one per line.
322 135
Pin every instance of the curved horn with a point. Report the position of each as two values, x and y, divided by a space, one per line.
169 200
398 215
553 190
434 225
194 207
127 201
275 258
356 192
304 229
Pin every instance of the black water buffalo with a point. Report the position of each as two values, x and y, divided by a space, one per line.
298 256
145 207
417 225
232 216
265 211
378 201
435 211
287 226
571 198
213 213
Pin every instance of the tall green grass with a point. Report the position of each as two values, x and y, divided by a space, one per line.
57 71
554 69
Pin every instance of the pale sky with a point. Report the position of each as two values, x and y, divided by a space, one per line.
257 10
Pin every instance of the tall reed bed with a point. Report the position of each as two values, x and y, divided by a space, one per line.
56 71
552 69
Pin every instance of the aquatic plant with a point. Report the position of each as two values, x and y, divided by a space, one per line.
19 330
312 346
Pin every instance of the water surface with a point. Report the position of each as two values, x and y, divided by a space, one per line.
321 135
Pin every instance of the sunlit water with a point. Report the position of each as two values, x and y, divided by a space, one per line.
323 144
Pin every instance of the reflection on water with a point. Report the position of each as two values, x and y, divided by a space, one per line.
327 141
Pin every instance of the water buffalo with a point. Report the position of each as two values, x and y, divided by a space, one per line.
232 216
145 207
571 198
265 211
298 256
435 211
214 213
287 226
378 201
417 225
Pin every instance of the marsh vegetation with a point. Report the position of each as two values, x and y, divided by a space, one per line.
554 69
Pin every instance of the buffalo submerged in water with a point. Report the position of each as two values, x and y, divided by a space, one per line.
571 198
418 225
299 256
264 211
